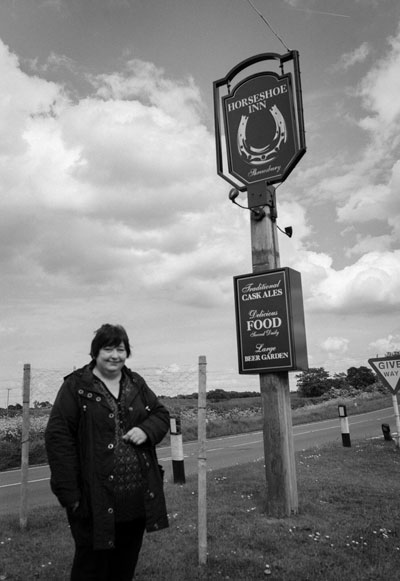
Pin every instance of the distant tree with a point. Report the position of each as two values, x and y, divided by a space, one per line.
314 382
242 394
218 395
360 377
339 381
41 404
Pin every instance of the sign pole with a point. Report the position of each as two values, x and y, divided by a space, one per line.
396 415
282 498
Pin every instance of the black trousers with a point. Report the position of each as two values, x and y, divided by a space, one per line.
116 564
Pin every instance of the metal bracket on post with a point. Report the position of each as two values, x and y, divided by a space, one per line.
261 195
271 202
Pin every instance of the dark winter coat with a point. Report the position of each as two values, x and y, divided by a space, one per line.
80 438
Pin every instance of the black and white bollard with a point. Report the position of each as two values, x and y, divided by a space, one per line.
178 466
344 425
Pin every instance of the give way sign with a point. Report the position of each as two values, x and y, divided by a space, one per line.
388 370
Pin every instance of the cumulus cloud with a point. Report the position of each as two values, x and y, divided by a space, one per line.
366 187
367 190
116 194
370 285
335 345
358 55
389 344
109 187
367 244
377 90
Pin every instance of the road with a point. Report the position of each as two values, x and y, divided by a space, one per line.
221 453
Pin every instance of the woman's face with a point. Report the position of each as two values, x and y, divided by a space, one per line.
111 360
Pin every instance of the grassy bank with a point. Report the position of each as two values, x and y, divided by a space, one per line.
347 526
238 416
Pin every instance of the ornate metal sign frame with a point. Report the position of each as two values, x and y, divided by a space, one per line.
261 117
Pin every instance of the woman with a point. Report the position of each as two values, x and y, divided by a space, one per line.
100 441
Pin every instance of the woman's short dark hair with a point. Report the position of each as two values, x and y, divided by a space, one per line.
109 336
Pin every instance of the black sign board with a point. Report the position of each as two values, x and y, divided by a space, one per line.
260 128
270 322
263 120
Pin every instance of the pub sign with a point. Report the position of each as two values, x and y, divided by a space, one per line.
270 321
262 122
259 120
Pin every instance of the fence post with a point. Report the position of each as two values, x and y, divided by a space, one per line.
202 462
23 514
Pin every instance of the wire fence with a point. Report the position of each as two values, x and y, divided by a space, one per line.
172 380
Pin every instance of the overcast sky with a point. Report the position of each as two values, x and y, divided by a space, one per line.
111 207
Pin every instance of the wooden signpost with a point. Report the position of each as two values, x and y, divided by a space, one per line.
264 133
280 469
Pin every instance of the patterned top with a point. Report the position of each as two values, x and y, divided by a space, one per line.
128 477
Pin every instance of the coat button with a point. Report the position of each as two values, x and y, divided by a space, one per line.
110 544
80 391
110 510
110 446
111 477
111 415
98 398
90 395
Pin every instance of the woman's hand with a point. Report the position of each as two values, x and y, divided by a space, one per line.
136 436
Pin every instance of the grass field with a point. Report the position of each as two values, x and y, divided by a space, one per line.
347 527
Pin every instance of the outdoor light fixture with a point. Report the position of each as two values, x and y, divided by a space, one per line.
289 231
233 194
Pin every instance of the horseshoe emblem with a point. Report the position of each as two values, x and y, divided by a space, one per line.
259 156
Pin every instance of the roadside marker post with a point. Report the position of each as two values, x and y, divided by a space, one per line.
344 425
178 465
388 371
